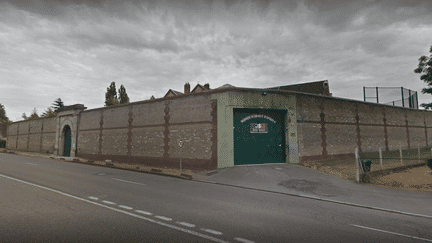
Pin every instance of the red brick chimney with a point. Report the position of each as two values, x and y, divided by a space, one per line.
207 86
187 88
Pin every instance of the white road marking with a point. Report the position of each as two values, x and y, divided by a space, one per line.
212 231
121 211
385 231
30 163
137 183
143 212
93 198
108 202
186 224
243 240
125 207
163 218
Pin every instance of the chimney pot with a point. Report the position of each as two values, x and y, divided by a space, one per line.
187 88
207 86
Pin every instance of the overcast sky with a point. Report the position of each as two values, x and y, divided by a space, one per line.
75 49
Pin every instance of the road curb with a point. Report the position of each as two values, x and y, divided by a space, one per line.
320 199
110 165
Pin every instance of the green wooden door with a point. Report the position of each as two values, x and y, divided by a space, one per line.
259 136
67 141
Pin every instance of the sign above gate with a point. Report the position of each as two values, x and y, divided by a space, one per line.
257 116
259 127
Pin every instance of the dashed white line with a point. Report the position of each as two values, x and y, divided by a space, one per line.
385 231
30 163
212 231
143 212
243 240
125 207
186 224
108 202
120 211
163 218
137 183
93 198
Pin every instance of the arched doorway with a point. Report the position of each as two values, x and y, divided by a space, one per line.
67 140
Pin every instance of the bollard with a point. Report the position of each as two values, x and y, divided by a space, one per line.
400 154
380 157
418 154
357 165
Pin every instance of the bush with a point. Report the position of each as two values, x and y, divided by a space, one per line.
2 143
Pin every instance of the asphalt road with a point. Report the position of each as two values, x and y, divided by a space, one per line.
54 201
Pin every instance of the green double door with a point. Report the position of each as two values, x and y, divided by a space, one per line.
259 136
67 141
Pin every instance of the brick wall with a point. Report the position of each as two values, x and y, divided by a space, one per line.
331 127
35 136
148 133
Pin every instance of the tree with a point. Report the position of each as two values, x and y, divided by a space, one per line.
58 103
425 66
123 97
33 115
3 117
111 95
49 113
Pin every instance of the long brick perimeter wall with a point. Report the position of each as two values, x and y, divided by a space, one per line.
331 128
148 133
34 136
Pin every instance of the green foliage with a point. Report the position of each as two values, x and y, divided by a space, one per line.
49 113
33 116
3 117
124 98
111 95
425 67
58 103
111 98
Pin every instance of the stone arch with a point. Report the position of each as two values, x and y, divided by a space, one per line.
66 143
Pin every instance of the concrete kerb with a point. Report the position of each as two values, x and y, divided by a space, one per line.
81 161
319 199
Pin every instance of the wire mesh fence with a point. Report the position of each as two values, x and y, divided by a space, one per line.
346 167
396 158
396 96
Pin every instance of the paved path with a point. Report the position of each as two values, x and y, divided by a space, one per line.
297 180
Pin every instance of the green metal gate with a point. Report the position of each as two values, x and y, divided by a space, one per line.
67 141
259 136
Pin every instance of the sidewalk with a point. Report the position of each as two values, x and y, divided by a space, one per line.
299 181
